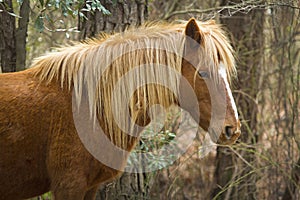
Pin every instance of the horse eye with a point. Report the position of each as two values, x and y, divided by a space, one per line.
204 74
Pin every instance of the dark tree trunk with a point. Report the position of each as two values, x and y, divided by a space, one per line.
290 190
123 14
7 37
247 34
130 186
21 35
288 87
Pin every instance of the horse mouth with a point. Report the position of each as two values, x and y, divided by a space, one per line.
224 138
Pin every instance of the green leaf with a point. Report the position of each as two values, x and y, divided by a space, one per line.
39 23
84 10
57 3
115 2
42 3
82 16
104 10
172 135
88 6
75 13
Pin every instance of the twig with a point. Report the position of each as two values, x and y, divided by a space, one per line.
245 6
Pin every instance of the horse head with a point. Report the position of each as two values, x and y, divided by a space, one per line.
207 64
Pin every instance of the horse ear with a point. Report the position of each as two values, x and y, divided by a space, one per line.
192 30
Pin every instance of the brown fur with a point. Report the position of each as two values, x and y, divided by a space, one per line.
39 146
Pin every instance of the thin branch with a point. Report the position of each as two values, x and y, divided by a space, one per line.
244 7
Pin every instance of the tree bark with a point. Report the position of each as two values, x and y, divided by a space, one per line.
21 35
285 23
290 190
247 34
130 186
124 13
7 37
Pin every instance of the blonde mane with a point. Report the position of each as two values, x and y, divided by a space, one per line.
96 66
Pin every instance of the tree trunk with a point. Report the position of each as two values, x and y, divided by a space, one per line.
286 26
7 37
290 190
247 32
21 35
124 13
130 186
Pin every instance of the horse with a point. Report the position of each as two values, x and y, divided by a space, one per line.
41 148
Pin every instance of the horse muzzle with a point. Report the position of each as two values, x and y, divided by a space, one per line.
229 135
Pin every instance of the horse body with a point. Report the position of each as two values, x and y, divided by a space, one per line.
40 149
16 131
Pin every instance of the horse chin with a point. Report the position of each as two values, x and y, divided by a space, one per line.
225 140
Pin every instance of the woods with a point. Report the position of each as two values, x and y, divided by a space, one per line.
265 162
8 43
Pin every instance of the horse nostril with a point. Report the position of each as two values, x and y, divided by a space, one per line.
228 132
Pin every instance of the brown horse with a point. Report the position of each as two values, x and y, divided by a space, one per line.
40 146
